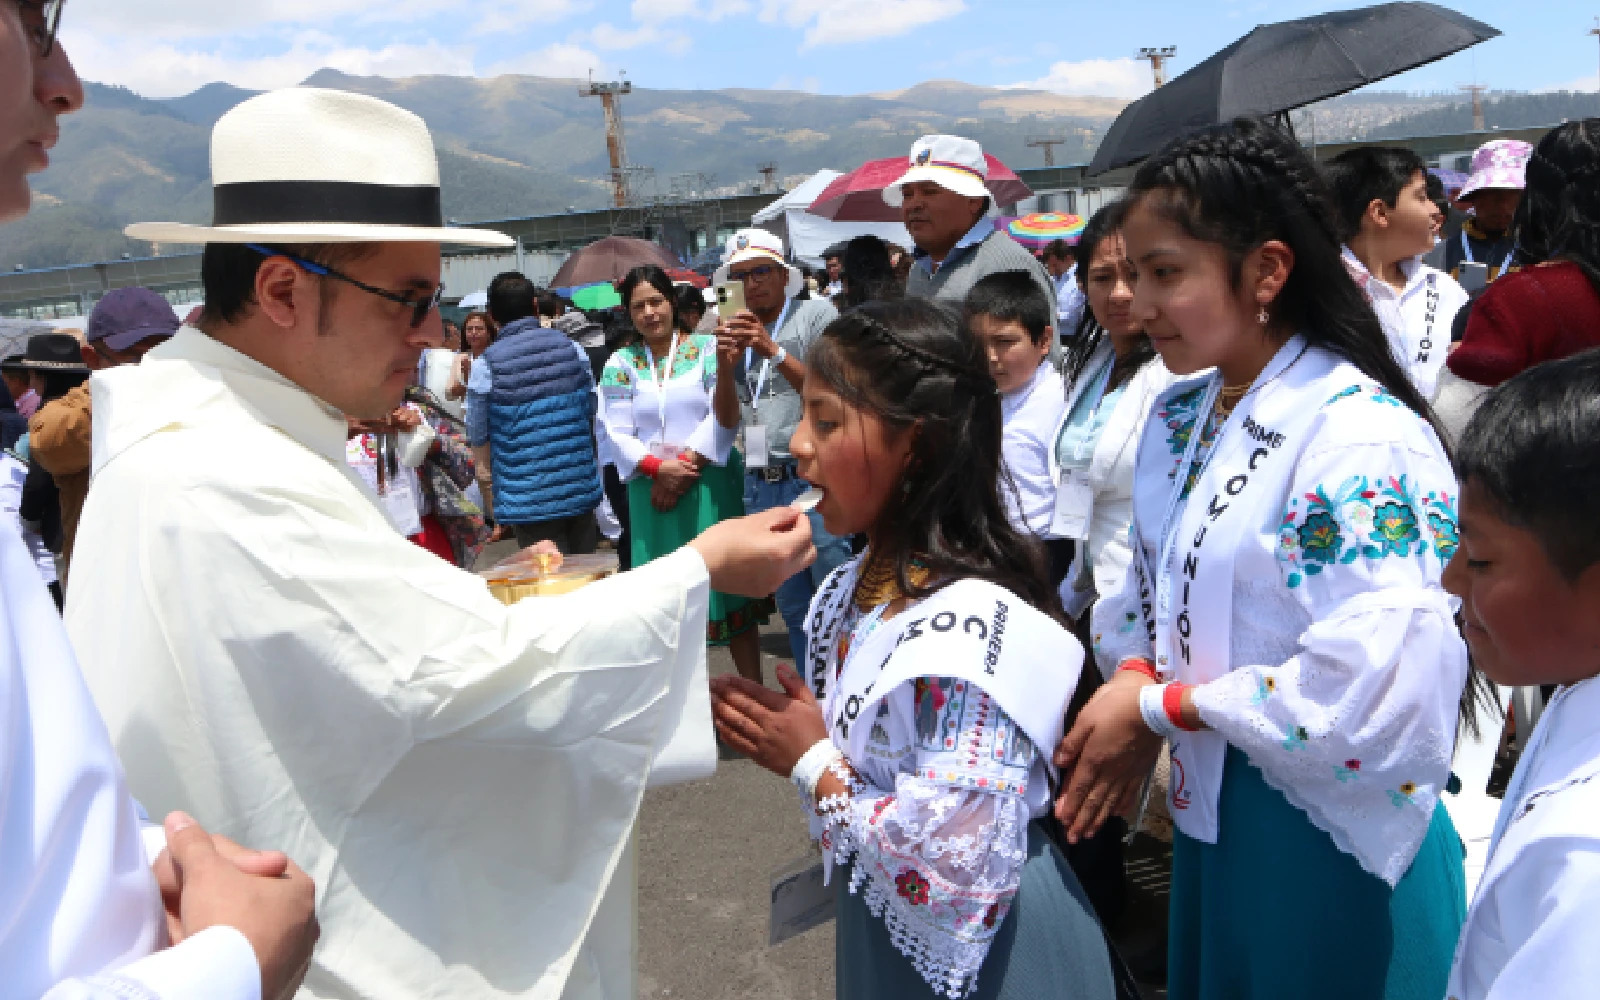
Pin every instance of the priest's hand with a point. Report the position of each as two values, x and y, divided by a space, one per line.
751 556
772 729
261 864
1106 757
277 915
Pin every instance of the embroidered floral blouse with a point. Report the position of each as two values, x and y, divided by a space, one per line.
1345 662
631 404
936 820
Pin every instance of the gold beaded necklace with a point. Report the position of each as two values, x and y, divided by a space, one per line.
877 584
1229 398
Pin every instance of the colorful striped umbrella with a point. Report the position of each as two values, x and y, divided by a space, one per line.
1040 229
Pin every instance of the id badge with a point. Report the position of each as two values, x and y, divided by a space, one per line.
1074 505
664 451
755 447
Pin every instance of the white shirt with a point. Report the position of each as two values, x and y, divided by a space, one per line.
459 777
632 404
1420 344
12 474
80 916
1531 929
1032 415
1070 303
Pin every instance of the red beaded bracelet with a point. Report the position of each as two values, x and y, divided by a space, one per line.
1139 666
1172 704
650 465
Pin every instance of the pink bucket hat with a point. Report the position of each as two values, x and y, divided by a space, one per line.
1501 163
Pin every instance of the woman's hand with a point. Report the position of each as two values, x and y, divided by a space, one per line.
405 419
673 479
772 729
1106 757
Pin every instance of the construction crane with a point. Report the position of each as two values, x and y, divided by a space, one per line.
1157 58
769 178
1048 144
1476 90
1595 31
615 146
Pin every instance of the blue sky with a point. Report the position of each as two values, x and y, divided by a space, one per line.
164 48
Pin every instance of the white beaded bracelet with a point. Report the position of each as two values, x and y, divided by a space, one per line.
1154 712
812 765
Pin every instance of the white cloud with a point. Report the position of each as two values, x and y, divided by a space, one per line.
606 35
660 11
1094 78
165 70
563 59
834 22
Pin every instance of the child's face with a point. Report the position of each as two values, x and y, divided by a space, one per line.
1409 224
1184 299
851 456
1013 356
1525 623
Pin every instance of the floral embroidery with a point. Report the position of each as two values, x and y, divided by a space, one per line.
1265 689
617 375
1443 523
1208 438
990 917
1402 796
1359 518
1373 392
1295 739
1180 413
1349 772
913 888
688 358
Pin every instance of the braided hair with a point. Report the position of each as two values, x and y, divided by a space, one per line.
1559 216
912 363
1103 224
1243 184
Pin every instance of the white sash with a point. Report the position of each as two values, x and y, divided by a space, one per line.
1188 611
972 631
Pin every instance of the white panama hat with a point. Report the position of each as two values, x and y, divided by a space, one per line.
953 163
748 244
304 165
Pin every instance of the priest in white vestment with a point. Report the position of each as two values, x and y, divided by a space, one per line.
459 777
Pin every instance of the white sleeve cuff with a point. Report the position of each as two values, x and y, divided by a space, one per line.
216 964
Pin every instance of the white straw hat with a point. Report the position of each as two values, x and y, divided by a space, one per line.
748 244
953 163
304 165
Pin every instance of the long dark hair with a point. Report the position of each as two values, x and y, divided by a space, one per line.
909 363
1559 215
866 271
648 274
1239 186
1086 339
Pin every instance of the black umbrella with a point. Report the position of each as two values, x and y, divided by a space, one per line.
1279 67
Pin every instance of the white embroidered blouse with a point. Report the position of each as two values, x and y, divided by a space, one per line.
637 418
1343 662
936 818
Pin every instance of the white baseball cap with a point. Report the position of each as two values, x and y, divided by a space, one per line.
953 163
749 244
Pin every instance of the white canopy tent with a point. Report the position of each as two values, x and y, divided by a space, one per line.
807 235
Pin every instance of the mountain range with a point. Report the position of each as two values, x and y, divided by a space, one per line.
521 145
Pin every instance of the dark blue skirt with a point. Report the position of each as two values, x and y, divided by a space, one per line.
1049 945
1273 909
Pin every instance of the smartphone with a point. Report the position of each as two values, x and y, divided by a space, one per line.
1474 276
730 299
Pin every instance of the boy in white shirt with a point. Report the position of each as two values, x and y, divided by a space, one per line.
1380 198
1528 575
1010 318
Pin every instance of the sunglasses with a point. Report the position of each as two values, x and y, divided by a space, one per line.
420 308
42 19
759 271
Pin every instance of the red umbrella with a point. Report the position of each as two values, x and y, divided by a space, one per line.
686 276
858 195
610 259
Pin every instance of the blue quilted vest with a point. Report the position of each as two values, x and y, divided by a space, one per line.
541 426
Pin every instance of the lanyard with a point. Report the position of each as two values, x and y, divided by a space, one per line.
661 380
1096 393
1466 248
760 383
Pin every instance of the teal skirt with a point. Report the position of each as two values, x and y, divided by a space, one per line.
717 496
1049 947
1274 910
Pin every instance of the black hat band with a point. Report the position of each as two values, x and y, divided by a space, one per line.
324 202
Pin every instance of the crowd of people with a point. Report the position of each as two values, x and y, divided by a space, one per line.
1238 498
